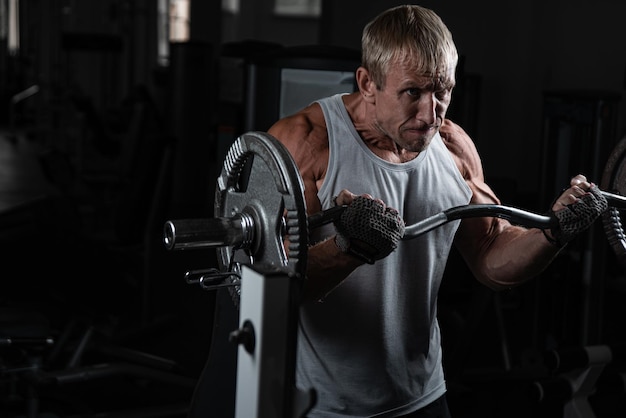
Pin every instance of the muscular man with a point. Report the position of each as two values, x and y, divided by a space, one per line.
369 341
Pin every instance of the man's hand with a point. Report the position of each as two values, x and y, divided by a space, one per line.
367 228
576 209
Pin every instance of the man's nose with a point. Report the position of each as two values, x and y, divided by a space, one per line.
427 108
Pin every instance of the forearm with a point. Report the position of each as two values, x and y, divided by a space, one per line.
515 256
327 267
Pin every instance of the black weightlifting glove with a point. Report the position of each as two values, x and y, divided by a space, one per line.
577 217
368 230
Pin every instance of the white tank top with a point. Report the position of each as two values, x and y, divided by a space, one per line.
372 346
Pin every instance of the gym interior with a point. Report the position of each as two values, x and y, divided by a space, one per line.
117 117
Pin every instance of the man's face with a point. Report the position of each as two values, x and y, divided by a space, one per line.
410 108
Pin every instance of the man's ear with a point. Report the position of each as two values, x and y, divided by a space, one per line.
365 84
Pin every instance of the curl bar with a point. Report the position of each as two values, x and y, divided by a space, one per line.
238 230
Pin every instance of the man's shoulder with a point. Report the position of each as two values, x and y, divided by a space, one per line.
452 131
454 136
461 146
307 125
305 137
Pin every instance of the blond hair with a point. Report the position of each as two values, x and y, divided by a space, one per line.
411 34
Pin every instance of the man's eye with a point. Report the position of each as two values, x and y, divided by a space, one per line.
413 92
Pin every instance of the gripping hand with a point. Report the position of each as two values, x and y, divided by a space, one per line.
368 230
577 217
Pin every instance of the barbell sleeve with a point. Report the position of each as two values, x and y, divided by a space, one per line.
237 231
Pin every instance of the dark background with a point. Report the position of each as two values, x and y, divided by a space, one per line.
114 141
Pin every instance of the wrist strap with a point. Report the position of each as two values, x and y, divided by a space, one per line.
551 240
345 247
